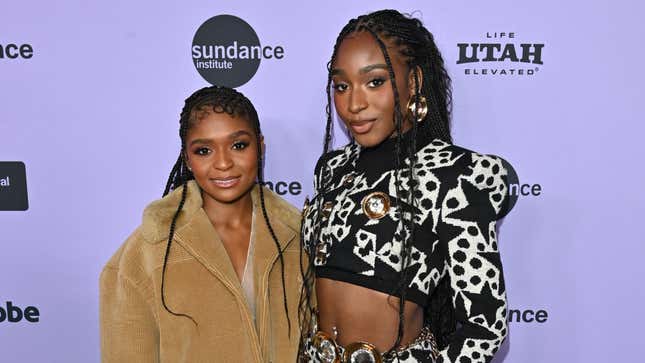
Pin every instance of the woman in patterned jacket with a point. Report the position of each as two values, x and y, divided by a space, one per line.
401 232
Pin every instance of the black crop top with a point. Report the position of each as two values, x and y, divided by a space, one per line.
459 198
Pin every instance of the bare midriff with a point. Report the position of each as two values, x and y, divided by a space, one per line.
357 313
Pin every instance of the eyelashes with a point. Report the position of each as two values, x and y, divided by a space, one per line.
237 145
376 82
372 83
340 87
240 145
202 151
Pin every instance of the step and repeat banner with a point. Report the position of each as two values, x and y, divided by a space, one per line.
90 94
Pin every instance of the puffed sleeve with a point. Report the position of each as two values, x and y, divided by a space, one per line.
128 329
326 165
469 214
323 173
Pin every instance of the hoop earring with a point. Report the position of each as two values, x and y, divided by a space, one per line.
423 107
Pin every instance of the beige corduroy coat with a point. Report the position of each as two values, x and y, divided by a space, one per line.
201 283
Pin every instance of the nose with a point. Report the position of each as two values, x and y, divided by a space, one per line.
357 101
222 160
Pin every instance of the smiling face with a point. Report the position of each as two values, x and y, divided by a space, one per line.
363 94
222 152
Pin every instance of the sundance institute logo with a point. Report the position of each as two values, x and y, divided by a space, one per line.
226 51
501 54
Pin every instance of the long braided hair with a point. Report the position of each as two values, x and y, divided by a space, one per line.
416 46
219 100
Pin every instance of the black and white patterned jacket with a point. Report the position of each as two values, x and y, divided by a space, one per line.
458 200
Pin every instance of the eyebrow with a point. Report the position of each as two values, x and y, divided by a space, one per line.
363 70
239 133
231 136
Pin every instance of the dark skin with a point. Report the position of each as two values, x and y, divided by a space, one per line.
221 151
364 100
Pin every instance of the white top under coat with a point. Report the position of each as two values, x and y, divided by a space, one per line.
247 276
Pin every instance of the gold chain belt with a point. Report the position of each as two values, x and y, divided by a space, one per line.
331 352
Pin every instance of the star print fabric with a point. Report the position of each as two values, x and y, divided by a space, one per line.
457 202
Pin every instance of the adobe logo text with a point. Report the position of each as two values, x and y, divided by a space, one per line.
14 314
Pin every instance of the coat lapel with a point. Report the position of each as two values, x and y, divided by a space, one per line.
266 251
200 239
195 233
266 257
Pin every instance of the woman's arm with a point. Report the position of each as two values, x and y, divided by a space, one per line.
128 329
468 225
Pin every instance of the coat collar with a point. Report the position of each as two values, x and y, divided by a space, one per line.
194 231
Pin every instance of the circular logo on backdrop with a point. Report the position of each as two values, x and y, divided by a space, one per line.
513 180
226 51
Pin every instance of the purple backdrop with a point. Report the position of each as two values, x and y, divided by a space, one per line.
93 110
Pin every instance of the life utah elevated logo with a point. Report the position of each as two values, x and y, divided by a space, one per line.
501 54
226 51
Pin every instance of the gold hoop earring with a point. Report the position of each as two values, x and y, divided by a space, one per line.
423 107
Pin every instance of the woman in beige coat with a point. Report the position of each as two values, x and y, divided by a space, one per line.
213 272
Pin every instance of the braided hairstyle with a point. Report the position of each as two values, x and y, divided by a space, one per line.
203 101
417 48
